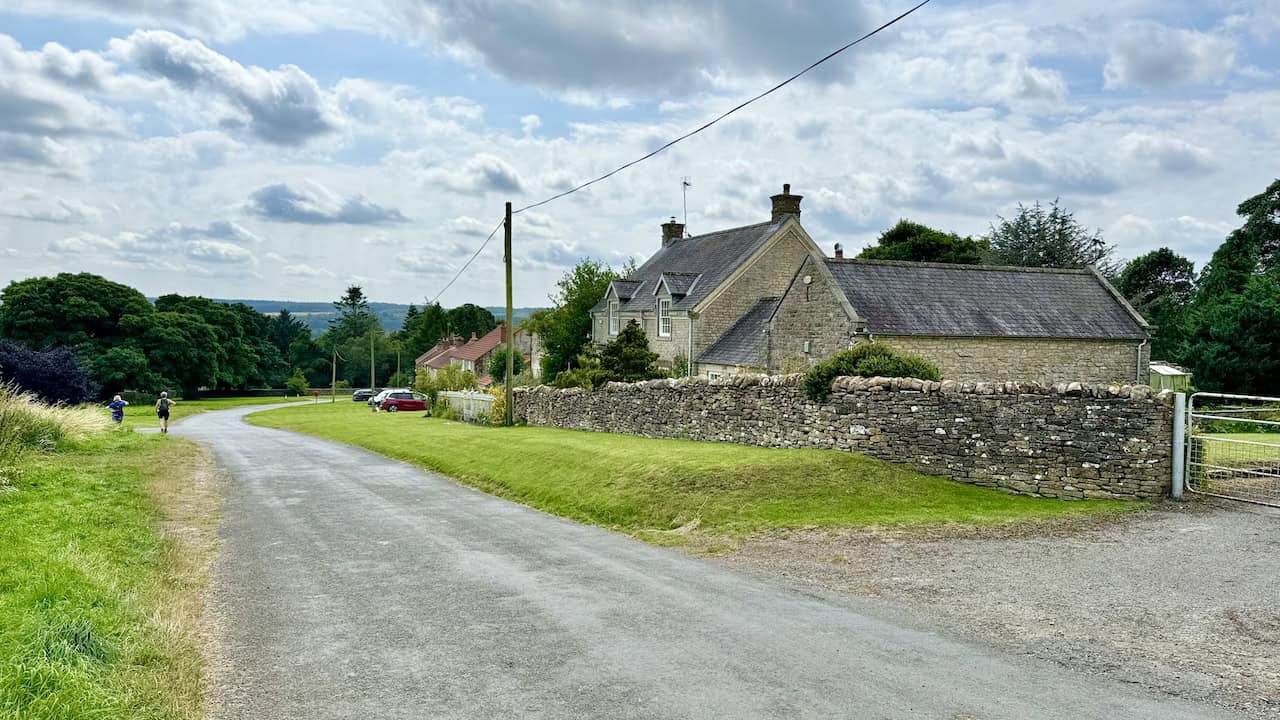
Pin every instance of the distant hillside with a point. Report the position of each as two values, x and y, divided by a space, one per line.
318 314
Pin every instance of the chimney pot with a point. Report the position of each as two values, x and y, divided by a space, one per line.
839 250
671 231
786 205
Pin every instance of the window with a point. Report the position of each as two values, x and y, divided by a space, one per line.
613 317
664 318
713 375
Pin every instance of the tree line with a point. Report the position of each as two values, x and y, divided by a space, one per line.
104 337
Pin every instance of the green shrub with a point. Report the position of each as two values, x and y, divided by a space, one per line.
587 375
680 366
865 360
297 383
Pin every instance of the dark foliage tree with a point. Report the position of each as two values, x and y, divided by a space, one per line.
498 365
181 348
79 311
919 243
467 319
1049 237
284 329
354 317
1233 336
1235 345
125 367
627 358
55 376
565 329
1161 285
425 329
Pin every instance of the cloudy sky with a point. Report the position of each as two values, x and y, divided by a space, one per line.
241 148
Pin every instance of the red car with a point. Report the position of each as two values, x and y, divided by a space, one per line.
397 401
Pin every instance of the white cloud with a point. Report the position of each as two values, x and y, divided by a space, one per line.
1149 54
301 270
316 205
33 205
284 106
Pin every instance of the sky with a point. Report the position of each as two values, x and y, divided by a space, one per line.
284 150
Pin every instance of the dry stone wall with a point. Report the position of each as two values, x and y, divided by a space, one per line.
1068 440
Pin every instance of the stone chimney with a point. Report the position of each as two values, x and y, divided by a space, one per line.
839 251
672 231
786 205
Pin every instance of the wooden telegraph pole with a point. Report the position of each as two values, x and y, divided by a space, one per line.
333 381
372 380
509 420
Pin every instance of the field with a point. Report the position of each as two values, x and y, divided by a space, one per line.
103 560
660 488
1238 454
144 416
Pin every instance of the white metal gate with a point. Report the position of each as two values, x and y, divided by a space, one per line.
1233 447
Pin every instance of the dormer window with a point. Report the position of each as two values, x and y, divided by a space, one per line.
664 318
613 317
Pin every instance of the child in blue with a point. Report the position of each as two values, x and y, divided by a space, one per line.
117 409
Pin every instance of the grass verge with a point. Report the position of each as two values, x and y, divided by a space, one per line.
144 416
104 553
654 488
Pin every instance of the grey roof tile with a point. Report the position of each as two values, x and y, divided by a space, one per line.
903 298
745 342
713 257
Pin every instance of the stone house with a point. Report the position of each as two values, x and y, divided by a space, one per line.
474 354
765 298
694 289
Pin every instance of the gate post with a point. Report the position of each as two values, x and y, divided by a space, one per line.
1179 444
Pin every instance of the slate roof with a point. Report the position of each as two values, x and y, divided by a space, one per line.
677 283
905 298
713 256
745 342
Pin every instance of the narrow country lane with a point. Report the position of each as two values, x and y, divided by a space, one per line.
354 586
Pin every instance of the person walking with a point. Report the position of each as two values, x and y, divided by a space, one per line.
162 411
117 406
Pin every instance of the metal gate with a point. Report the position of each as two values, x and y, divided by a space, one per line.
1233 447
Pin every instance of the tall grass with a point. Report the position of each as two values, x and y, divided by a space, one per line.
29 425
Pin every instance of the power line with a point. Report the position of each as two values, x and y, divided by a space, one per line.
687 135
467 264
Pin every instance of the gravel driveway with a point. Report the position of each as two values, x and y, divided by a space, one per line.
1183 600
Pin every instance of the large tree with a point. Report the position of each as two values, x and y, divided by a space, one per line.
1233 337
354 317
1037 236
425 329
467 319
80 311
1160 285
920 243
627 357
181 348
565 329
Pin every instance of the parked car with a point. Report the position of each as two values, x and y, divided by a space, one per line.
375 402
363 395
397 401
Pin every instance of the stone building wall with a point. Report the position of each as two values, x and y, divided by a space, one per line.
768 277
1067 440
1044 360
810 313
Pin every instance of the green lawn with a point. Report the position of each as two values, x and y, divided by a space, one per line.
1230 454
638 484
138 416
99 612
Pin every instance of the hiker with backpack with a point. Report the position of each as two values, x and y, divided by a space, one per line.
162 411
117 406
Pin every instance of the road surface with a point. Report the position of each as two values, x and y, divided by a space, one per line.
354 586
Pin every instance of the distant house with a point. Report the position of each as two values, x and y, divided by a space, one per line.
765 298
474 354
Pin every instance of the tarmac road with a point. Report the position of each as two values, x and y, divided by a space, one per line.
354 586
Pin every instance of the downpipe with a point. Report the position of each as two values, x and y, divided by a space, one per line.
1137 363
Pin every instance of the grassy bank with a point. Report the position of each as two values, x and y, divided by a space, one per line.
143 416
104 547
642 485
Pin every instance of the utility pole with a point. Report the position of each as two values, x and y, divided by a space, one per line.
333 382
509 420
373 382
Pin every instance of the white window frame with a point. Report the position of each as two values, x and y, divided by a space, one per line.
714 375
664 318
613 317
